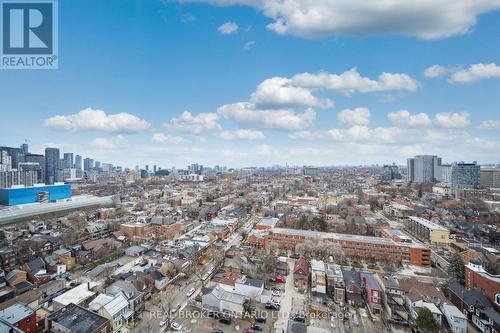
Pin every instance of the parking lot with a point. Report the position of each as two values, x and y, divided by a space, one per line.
193 319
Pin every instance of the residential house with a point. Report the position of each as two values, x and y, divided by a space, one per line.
79 295
282 268
436 313
335 285
134 297
65 257
19 316
393 299
318 278
478 279
476 306
353 287
37 271
115 308
250 288
301 274
416 290
456 320
135 250
73 318
100 247
217 299
8 259
372 291
17 280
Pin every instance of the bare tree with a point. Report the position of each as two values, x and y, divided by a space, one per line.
198 273
163 304
145 325
272 247
267 266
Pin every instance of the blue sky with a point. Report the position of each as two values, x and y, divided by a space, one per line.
217 82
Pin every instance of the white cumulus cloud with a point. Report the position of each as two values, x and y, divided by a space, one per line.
248 45
97 120
195 124
475 72
403 118
163 138
306 135
424 19
490 124
244 134
358 116
351 81
435 71
107 143
452 119
280 91
228 28
246 115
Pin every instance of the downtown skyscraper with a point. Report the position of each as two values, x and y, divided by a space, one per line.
52 157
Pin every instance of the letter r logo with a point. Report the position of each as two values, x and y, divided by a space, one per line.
27 27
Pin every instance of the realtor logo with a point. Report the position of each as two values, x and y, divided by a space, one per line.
29 34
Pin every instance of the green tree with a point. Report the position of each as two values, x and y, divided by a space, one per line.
456 269
426 321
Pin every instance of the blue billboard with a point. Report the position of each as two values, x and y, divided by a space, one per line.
25 195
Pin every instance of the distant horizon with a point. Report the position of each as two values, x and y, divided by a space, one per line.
290 165
169 82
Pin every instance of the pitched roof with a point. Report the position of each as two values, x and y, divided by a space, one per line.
301 265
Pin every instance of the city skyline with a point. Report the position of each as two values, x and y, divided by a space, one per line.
249 87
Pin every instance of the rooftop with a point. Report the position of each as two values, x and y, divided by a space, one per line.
15 313
75 295
427 223
78 319
340 237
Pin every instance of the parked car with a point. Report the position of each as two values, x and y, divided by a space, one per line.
176 326
256 327
280 278
275 292
272 306
261 319
300 316
276 301
248 330
225 320
176 308
163 322
190 292
217 330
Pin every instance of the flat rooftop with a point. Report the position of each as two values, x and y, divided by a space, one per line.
78 319
12 213
428 224
340 237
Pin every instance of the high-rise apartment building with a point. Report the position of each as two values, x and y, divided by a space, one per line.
16 155
5 161
490 177
24 148
424 168
390 172
78 162
465 175
40 160
68 161
15 177
88 164
52 157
